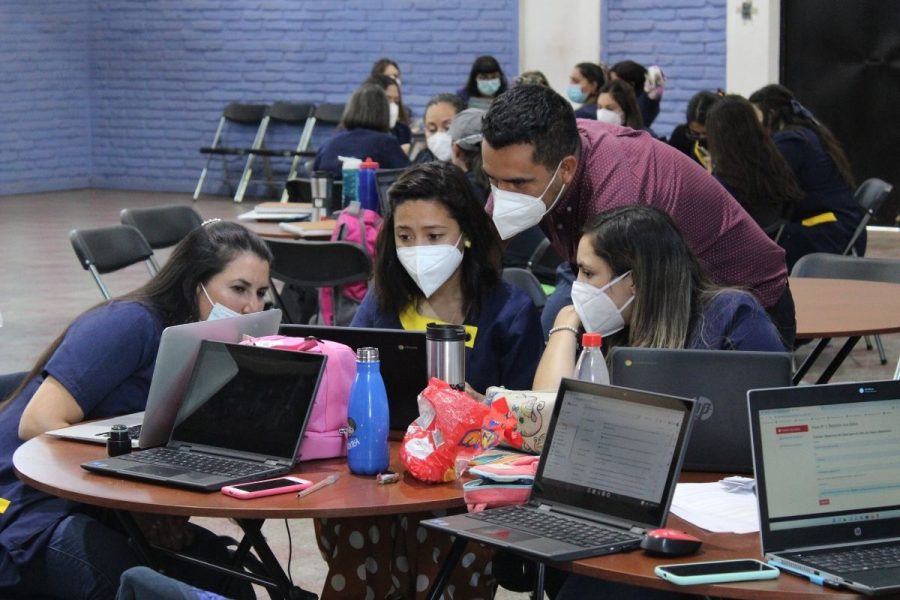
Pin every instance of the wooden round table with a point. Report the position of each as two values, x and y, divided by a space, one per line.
843 307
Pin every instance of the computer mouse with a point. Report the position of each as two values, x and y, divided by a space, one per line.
669 542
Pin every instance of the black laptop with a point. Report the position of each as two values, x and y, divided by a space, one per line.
404 367
606 476
718 381
827 461
242 418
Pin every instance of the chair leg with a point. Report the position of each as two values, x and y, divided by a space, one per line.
245 179
868 343
102 287
201 180
881 355
897 370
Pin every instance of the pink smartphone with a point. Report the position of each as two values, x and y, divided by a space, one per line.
267 487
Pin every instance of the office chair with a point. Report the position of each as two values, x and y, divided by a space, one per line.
870 195
544 261
236 119
109 249
835 266
162 226
317 265
528 283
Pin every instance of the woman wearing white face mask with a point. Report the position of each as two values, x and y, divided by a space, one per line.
439 114
439 261
639 285
399 113
616 104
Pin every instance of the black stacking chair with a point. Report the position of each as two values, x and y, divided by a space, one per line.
237 121
544 261
162 226
528 283
109 249
317 265
297 116
870 195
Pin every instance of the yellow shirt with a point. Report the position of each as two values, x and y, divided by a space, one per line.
413 321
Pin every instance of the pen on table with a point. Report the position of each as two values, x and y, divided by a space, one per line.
318 486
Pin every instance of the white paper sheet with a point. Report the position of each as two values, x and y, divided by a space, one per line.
712 507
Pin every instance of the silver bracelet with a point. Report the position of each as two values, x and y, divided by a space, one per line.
563 328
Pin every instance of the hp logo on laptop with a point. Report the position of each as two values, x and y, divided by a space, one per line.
704 408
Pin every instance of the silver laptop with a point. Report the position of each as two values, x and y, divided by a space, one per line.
827 460
242 418
178 347
404 366
606 476
718 381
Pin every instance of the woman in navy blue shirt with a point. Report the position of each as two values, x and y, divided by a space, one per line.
101 366
824 221
366 127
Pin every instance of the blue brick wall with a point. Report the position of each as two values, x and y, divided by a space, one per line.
121 93
684 37
45 134
163 69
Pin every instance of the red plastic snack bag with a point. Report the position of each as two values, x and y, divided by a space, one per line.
451 426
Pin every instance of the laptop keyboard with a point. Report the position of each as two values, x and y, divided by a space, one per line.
556 527
864 558
203 463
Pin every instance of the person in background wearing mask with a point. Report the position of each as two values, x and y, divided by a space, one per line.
439 113
640 285
690 136
486 82
363 133
616 105
547 168
584 86
438 261
399 114
465 138
648 87
101 366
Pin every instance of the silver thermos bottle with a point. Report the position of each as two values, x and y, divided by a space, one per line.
445 350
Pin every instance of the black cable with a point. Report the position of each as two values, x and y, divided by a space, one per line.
290 552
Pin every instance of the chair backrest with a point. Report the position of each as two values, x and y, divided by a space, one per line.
108 249
295 113
384 179
544 261
329 113
246 114
162 226
318 264
528 283
835 266
870 195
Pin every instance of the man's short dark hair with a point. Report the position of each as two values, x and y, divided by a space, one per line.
533 114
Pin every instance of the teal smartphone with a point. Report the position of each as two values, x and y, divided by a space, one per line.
718 571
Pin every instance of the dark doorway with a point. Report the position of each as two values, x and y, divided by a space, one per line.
842 59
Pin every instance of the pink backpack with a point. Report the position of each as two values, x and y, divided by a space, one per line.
359 226
323 437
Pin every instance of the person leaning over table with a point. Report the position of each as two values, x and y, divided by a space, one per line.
547 167
438 261
101 366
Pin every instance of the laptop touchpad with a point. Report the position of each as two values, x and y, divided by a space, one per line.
504 533
158 470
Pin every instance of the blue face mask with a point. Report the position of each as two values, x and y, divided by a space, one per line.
219 311
488 87
576 94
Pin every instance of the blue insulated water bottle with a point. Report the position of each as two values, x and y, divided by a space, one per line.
367 417
367 192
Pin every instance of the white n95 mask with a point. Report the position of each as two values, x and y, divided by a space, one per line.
609 116
515 212
597 311
219 311
440 143
430 266
395 113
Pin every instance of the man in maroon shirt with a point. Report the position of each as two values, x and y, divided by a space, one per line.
545 167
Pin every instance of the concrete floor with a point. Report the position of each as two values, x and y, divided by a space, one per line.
42 289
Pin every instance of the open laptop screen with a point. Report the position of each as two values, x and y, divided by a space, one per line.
828 462
640 437
248 399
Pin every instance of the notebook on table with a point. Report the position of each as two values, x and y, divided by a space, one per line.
242 418
718 381
404 367
827 460
178 347
607 474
